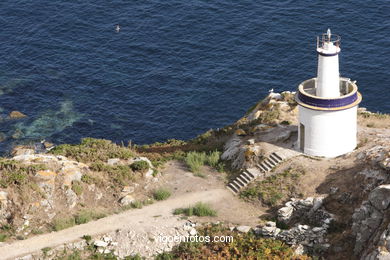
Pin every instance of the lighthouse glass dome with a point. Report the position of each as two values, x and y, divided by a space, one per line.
327 105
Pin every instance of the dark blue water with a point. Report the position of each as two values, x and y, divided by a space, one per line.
176 68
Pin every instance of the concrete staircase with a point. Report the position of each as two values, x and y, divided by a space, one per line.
250 174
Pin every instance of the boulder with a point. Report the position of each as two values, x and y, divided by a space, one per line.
100 243
126 200
243 229
285 213
380 197
71 198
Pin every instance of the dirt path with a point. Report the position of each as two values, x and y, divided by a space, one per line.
132 219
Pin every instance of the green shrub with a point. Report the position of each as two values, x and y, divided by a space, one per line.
87 238
62 223
274 188
195 160
203 138
200 209
45 250
77 187
213 159
89 179
165 256
161 194
269 116
136 204
16 173
121 174
3 237
87 215
140 166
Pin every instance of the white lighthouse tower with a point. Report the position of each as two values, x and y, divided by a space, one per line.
327 105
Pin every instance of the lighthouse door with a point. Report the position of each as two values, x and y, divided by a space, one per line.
302 136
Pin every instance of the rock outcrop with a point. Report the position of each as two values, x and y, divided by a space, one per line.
370 223
310 235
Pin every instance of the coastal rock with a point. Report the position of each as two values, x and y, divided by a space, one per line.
71 198
16 115
4 213
380 197
240 132
232 148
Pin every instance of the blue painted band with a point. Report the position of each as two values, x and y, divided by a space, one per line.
327 103
327 54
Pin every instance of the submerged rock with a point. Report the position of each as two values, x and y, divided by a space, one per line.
16 115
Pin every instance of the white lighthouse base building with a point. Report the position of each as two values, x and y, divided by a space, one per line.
336 128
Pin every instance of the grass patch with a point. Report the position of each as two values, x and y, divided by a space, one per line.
16 173
136 204
87 215
213 158
90 179
81 217
94 150
45 250
77 187
195 160
161 194
200 209
3 237
120 174
62 223
275 188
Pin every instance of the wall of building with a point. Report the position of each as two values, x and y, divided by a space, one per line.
328 133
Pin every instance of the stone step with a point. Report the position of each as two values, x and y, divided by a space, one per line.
265 166
231 188
248 176
236 188
238 184
278 156
245 177
242 183
271 162
254 171
262 168
270 166
275 158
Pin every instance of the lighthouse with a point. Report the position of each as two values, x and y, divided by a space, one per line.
327 105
